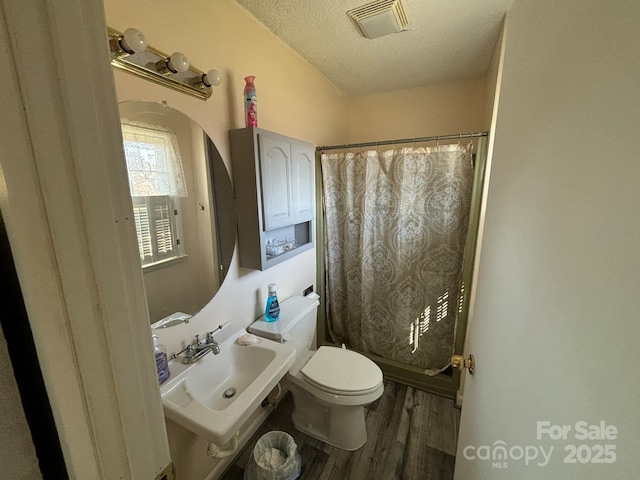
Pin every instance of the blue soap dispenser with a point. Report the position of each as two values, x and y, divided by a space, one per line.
162 363
272 310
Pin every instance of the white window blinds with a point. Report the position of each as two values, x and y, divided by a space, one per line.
155 228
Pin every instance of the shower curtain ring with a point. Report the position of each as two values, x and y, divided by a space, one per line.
459 138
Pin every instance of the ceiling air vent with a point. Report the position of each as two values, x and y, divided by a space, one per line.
379 18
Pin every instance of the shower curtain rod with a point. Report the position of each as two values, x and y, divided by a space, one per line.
405 140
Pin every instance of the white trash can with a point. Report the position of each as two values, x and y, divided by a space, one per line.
275 457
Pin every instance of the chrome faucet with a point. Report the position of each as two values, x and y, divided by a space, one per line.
198 349
215 348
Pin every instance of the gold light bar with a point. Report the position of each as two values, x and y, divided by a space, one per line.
156 66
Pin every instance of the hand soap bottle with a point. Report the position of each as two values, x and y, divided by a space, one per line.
272 310
162 363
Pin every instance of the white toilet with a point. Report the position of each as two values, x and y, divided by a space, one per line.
330 385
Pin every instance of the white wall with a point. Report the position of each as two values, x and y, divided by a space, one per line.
444 109
491 83
556 328
222 35
293 99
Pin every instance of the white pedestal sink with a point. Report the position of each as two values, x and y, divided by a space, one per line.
216 395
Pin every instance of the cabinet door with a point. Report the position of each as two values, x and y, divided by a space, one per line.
275 173
303 181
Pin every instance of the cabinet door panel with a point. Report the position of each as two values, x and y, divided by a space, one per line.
275 167
303 182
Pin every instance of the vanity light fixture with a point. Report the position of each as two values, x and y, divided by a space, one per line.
212 78
176 63
133 41
131 53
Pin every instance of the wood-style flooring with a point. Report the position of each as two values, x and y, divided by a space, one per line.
412 435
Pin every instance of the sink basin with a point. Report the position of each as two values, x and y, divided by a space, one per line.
216 395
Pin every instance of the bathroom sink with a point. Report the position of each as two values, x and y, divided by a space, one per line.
216 395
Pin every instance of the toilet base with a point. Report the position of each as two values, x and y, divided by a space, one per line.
336 425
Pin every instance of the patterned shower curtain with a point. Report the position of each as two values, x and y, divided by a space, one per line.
395 230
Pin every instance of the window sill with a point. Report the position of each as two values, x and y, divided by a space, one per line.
167 262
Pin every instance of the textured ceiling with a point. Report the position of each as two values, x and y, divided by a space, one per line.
446 40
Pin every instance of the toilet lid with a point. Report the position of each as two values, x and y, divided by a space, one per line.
342 370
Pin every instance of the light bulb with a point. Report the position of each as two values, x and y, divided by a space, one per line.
178 62
212 78
133 41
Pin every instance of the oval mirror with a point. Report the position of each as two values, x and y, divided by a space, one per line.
183 207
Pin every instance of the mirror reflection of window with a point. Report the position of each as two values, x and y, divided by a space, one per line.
205 226
157 229
156 181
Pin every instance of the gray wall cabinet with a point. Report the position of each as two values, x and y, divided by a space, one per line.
273 177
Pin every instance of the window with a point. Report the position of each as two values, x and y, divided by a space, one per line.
156 181
156 228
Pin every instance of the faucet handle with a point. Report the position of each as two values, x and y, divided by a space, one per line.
190 351
198 341
210 339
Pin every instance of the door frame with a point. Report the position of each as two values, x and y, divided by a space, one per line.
64 198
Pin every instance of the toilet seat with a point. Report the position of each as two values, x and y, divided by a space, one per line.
342 372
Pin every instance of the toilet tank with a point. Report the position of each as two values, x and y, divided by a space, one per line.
296 326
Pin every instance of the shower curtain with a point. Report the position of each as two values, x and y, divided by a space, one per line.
395 230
